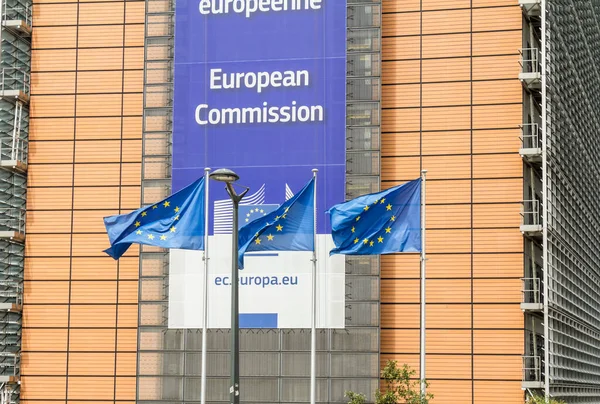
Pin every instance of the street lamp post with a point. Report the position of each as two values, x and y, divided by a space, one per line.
229 177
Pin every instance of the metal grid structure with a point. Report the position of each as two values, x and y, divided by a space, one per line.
532 223
274 363
15 20
573 216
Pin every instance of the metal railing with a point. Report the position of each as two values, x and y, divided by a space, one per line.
530 60
10 363
17 11
532 369
531 290
531 136
6 394
12 292
14 149
12 78
531 213
12 219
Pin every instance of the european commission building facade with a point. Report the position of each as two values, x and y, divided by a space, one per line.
497 99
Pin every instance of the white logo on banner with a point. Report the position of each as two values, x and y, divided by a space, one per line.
275 286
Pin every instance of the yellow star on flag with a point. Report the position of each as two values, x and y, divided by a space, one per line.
356 240
163 237
380 239
137 224
388 230
177 217
279 227
151 236
139 232
144 214
366 241
155 206
366 208
257 241
176 209
371 243
389 207
166 204
276 218
357 218
353 229
270 237
173 229
393 218
376 200
382 200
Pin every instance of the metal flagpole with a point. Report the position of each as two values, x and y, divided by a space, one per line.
313 323
423 272
205 291
229 177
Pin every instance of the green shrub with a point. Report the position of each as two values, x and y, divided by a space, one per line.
541 400
399 387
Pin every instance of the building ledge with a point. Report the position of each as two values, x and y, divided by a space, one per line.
12 95
12 235
18 25
532 385
531 8
532 155
10 307
532 230
532 81
14 165
532 306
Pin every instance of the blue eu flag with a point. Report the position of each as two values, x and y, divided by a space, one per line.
381 223
291 227
175 222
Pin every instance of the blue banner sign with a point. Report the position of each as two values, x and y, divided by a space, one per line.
260 88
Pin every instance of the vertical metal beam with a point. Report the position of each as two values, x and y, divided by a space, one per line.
313 323
234 389
545 198
423 284
205 291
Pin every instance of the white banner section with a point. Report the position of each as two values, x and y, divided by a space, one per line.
274 287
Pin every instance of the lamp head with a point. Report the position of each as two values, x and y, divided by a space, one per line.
224 175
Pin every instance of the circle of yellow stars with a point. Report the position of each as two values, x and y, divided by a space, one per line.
256 210
278 228
388 230
152 236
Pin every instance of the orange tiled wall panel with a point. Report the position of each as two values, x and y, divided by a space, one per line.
452 104
80 306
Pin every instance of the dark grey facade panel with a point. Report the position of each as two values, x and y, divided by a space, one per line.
573 205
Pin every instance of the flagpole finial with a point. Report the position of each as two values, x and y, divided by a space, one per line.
424 171
315 170
207 169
